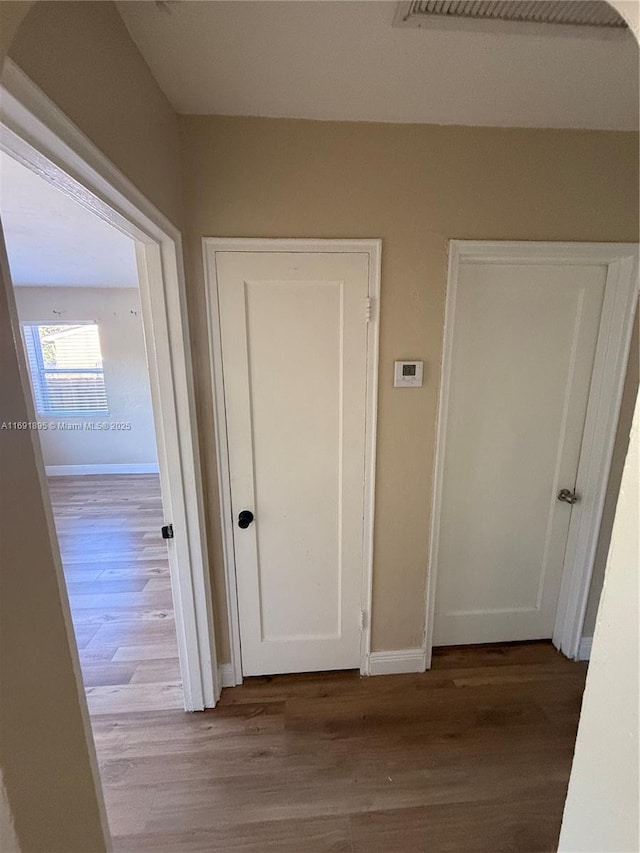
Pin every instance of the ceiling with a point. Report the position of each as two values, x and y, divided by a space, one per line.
346 61
53 241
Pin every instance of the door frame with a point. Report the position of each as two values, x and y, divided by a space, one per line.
34 131
612 352
232 674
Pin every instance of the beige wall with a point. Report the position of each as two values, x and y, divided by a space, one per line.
415 187
12 14
82 57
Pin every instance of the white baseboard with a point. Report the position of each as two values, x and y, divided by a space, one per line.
380 663
584 649
226 675
119 468
400 660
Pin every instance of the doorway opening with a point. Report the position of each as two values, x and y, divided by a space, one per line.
37 137
78 303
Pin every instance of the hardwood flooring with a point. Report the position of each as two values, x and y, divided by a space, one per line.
471 757
117 573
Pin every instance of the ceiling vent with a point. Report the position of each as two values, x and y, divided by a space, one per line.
587 16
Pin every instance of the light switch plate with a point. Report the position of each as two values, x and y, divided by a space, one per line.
408 374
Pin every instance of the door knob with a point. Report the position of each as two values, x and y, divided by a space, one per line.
567 496
245 518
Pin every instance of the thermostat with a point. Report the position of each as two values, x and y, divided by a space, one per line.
408 374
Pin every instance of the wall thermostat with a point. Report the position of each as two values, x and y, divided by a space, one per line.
408 374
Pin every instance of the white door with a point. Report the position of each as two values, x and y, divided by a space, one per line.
524 341
294 356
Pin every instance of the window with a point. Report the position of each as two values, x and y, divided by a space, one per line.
66 369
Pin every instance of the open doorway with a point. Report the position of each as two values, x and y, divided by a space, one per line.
78 303
38 138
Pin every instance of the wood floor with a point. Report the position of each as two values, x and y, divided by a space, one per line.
471 757
117 573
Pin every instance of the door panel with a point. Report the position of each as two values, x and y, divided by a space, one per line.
523 351
294 346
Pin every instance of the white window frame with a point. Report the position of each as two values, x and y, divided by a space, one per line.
38 379
34 131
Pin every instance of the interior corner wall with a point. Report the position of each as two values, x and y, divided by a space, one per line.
416 187
12 14
130 440
81 55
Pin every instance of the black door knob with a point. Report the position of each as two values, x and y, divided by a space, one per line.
245 518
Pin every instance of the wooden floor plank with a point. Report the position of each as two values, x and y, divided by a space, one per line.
503 825
117 574
471 757
431 763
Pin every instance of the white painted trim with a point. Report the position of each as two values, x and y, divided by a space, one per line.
371 429
443 408
603 409
211 245
584 649
226 676
224 474
401 660
34 131
111 468
612 352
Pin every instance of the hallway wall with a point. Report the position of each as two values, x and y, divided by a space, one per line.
416 187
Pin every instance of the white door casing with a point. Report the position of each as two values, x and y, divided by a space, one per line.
35 132
536 342
297 358
523 350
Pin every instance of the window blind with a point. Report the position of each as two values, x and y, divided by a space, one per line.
65 363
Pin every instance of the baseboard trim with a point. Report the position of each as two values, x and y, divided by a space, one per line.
399 660
226 675
119 468
584 649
